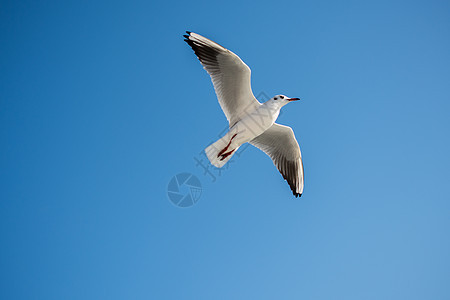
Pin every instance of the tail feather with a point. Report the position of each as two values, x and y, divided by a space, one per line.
216 148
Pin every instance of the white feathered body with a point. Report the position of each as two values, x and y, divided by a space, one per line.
250 125
250 121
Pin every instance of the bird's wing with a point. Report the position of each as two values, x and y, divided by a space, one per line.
229 74
279 143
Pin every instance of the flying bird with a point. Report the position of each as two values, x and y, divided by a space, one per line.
249 120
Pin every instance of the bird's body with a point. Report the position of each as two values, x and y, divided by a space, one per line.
249 120
252 123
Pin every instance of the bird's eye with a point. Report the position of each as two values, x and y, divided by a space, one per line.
275 98
282 97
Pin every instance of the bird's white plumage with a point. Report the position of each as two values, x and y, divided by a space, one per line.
229 74
231 80
279 143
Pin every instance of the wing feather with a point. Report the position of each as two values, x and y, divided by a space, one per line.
279 143
230 76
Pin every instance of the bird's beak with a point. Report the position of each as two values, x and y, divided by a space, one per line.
293 99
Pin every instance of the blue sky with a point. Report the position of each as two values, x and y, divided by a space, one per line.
102 103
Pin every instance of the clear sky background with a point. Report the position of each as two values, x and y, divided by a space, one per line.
102 103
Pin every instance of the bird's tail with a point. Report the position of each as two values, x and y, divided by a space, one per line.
220 152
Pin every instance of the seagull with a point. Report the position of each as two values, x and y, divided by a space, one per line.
249 120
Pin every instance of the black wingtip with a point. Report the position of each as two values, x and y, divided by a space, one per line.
186 36
188 32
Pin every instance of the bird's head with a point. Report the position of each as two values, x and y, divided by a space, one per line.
282 99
